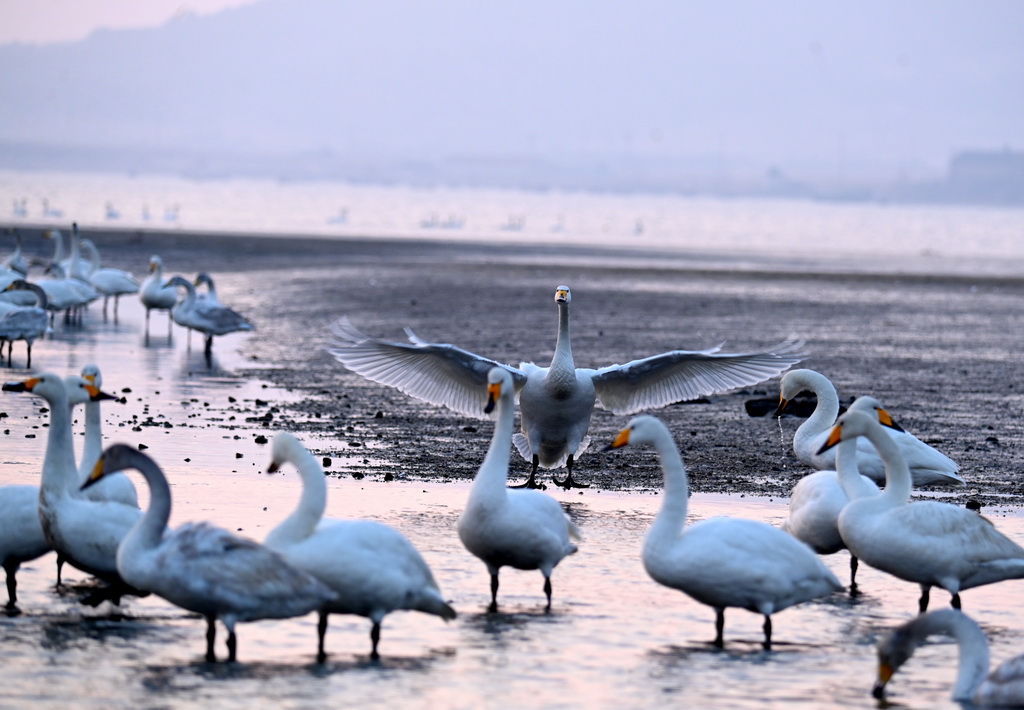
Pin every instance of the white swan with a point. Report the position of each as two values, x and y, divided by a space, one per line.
16 261
928 542
1004 687
555 402
722 562
156 294
372 568
819 498
28 323
209 318
85 533
927 465
75 266
21 533
525 529
203 568
109 282
116 487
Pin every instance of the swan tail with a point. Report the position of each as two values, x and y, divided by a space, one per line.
433 604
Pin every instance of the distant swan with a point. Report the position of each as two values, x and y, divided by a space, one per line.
927 465
722 562
525 529
208 317
373 568
156 294
28 323
928 542
555 402
203 568
1004 687
109 282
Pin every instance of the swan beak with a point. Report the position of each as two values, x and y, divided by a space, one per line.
885 672
274 467
885 419
834 437
95 475
26 386
561 295
621 440
95 395
493 392
152 266
783 403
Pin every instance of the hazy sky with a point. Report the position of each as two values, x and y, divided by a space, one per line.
45 21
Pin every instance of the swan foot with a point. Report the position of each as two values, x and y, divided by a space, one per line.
531 482
375 639
569 482
719 641
493 607
767 633
321 630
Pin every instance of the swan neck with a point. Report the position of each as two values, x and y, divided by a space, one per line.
898 482
492 478
973 662
93 437
307 514
854 484
59 473
825 411
149 530
669 521
562 359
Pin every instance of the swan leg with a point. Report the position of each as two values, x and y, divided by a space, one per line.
232 646
531 482
211 636
60 567
568 481
547 591
321 631
854 590
375 639
719 628
28 349
494 593
11 567
955 601
922 604
767 633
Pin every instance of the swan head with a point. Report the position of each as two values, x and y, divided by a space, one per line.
203 278
155 264
873 406
850 425
893 651
562 295
499 384
80 390
180 281
793 383
285 448
114 458
45 385
92 373
643 429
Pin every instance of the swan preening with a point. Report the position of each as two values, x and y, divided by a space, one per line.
555 402
525 529
931 543
203 568
1004 687
373 569
927 464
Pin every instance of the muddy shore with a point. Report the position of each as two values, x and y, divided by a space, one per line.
940 351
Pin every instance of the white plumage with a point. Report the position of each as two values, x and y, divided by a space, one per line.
154 293
555 402
927 464
722 562
525 529
21 533
109 282
203 568
928 542
372 568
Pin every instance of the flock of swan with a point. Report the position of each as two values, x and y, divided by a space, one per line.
73 281
88 512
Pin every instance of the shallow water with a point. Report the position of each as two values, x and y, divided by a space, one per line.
614 638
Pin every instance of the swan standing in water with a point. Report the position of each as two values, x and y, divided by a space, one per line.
1004 687
85 533
722 562
818 498
203 568
117 487
525 529
21 534
928 542
927 465
28 323
208 317
156 294
16 261
372 568
109 282
555 402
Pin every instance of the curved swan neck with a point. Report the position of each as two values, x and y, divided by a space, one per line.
149 530
854 485
898 482
672 516
307 514
972 666
825 411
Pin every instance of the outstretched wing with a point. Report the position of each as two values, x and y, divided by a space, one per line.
680 375
434 372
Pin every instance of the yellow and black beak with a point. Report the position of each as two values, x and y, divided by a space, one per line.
95 475
95 395
834 437
885 672
493 393
561 295
25 386
274 467
885 419
620 440
783 403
